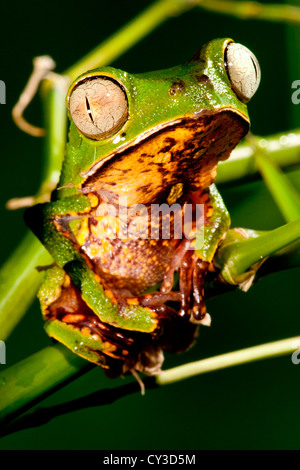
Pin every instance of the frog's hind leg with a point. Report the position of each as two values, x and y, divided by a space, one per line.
192 271
197 257
193 258
191 284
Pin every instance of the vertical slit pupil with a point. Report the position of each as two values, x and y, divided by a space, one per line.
255 68
89 111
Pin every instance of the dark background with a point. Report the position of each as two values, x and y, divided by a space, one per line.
253 406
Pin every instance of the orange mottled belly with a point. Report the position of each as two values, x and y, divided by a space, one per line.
169 167
130 256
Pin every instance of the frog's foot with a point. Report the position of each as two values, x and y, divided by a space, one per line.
70 320
192 270
191 284
190 296
156 301
175 333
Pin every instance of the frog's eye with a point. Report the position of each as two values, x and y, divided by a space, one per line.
98 107
243 70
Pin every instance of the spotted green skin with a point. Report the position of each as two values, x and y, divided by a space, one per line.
147 113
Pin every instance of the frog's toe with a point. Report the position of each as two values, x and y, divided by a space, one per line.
198 313
189 301
191 285
150 359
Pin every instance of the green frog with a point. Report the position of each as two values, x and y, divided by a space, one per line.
135 221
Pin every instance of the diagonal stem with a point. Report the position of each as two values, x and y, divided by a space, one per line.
129 35
28 382
284 193
235 358
283 148
253 10
19 279
161 11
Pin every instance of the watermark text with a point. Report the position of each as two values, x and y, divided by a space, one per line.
2 92
296 93
2 352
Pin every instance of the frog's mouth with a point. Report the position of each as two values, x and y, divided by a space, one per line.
205 128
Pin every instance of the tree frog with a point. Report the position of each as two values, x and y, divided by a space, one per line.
142 155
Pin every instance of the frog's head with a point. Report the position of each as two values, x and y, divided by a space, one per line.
201 104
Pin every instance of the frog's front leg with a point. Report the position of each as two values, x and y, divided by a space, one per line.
53 224
68 319
112 330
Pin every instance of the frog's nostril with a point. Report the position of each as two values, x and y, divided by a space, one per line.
177 87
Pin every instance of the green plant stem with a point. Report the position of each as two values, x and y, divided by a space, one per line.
243 356
284 193
19 279
29 381
282 190
286 259
53 93
253 10
19 282
238 256
161 11
129 35
283 148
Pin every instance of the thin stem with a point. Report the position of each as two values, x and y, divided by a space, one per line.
41 66
19 279
284 193
129 35
253 10
243 356
283 148
252 251
29 381
53 93
161 11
